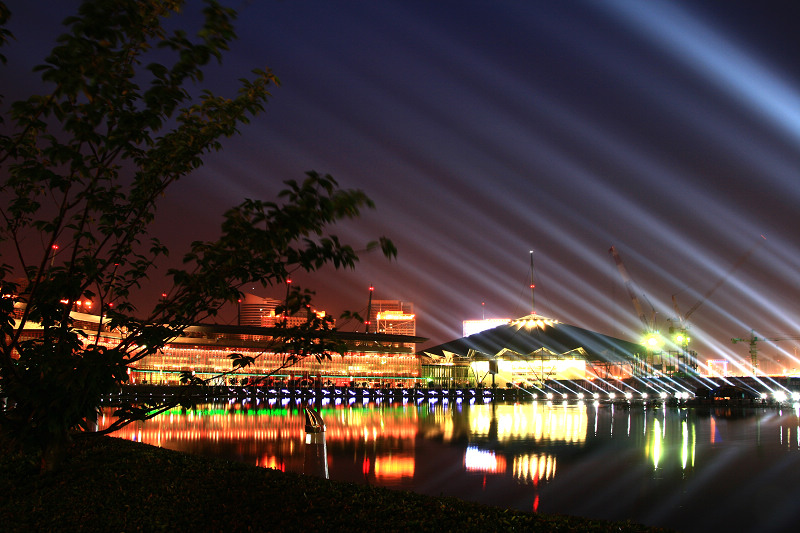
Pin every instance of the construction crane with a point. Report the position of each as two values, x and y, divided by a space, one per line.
681 337
753 342
649 326
652 340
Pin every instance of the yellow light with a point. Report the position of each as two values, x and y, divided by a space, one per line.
653 340
394 316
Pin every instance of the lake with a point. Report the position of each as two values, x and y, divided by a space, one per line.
690 469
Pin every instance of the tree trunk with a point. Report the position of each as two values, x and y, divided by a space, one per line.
53 454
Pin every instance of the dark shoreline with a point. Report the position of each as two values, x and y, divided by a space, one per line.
110 484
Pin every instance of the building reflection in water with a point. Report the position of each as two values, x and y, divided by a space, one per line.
541 422
596 460
273 435
553 457
381 440
388 443
486 461
669 440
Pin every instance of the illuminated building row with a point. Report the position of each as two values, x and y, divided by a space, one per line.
386 368
526 352
376 359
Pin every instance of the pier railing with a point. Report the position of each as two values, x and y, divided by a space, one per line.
679 391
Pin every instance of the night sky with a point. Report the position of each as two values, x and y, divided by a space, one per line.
484 130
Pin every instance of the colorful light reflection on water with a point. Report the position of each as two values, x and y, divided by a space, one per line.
688 469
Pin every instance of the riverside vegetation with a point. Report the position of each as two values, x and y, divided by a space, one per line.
123 113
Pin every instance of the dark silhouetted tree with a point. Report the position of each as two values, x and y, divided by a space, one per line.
83 165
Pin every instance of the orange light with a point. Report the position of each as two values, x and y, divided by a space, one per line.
390 467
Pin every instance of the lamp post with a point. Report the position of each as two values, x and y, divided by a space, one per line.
53 252
369 308
286 301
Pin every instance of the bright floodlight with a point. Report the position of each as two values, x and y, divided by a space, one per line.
644 395
580 396
796 396
764 395
663 395
596 395
549 395
653 340
611 395
780 396
628 395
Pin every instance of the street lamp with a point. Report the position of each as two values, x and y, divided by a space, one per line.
54 251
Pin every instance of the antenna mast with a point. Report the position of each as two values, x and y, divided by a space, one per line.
533 302
369 307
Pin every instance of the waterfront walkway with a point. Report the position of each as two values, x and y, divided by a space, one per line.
690 391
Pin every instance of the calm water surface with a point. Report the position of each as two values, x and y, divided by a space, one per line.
689 469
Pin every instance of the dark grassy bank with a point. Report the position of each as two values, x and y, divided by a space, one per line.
114 485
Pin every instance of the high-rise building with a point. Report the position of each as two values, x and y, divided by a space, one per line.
257 311
717 368
393 316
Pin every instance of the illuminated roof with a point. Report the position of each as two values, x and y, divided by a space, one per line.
233 331
532 336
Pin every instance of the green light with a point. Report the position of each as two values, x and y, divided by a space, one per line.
653 340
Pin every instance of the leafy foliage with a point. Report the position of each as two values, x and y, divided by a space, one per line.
83 167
